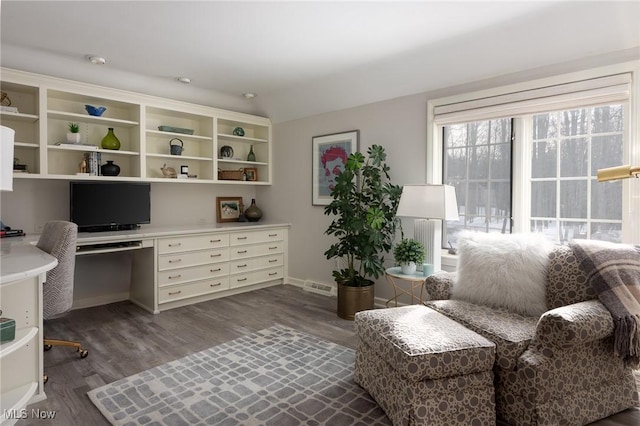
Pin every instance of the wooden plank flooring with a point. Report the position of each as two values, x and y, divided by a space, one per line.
123 339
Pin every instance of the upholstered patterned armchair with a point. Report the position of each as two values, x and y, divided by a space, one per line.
557 368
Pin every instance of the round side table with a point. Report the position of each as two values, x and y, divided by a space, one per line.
415 281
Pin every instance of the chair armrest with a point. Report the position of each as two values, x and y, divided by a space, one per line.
438 285
573 324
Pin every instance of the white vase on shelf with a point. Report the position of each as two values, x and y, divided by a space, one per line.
408 268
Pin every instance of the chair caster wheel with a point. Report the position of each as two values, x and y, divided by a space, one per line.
83 353
47 347
45 379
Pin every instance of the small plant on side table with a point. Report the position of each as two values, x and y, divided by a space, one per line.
408 253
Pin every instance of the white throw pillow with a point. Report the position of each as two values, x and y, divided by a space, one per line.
503 270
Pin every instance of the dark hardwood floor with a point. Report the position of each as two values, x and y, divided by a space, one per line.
123 339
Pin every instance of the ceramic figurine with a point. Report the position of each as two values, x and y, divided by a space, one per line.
168 172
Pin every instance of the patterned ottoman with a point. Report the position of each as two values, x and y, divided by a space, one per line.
424 368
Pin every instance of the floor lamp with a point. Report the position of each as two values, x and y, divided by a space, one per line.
622 172
430 205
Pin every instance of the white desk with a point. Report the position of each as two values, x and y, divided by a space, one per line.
129 264
23 269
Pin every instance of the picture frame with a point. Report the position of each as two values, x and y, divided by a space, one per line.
251 173
329 157
228 209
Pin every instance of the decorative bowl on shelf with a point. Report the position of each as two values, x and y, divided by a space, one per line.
95 111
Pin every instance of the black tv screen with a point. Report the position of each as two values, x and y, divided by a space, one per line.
109 206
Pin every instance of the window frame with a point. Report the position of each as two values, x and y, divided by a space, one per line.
521 160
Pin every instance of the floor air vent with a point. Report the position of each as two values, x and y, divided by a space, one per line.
314 287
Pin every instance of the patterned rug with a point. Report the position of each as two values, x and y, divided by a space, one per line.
276 376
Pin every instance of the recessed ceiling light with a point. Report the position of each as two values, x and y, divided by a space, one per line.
249 95
97 60
185 80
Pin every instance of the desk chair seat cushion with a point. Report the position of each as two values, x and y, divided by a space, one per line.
59 240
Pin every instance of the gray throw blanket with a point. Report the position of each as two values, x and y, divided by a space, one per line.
613 270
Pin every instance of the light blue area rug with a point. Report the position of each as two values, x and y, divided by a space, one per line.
277 376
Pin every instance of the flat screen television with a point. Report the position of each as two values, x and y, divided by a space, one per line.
109 206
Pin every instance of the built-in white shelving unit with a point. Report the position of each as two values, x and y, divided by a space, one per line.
46 105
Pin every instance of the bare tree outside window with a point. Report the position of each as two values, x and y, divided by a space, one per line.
477 162
568 148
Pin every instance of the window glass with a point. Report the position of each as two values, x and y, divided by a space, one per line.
477 162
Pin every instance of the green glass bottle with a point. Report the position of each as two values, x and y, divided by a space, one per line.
110 140
251 156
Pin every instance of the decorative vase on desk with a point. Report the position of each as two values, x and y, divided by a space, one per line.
110 169
253 213
110 140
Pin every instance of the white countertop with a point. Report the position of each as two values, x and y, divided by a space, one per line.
19 260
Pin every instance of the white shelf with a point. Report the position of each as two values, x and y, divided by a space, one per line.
23 336
26 145
180 157
18 116
106 121
179 135
241 138
87 149
243 162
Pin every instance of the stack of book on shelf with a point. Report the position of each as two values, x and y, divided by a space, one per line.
92 161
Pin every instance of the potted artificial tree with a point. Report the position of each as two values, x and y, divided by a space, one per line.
364 203
408 253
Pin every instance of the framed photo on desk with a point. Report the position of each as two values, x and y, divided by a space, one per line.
228 209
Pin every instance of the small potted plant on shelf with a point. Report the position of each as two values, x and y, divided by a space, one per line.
73 135
408 253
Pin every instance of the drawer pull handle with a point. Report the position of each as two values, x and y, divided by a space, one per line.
273 235
241 279
175 260
241 251
215 285
241 238
273 260
175 276
216 255
214 241
273 248
242 266
272 274
215 270
175 245
173 293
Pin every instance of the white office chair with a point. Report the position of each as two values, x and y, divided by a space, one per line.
59 240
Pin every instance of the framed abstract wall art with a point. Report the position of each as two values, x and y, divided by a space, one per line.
330 153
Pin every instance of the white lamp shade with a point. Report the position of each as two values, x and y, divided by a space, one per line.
6 158
428 202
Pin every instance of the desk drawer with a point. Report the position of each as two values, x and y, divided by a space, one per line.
241 280
245 265
182 291
195 242
242 252
252 237
182 275
194 258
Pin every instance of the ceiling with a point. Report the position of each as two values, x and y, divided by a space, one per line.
303 58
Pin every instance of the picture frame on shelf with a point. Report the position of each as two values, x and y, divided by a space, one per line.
330 153
251 173
228 209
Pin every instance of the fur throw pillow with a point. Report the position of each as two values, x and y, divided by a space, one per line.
503 270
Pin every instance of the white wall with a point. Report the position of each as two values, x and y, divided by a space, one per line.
399 125
35 201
